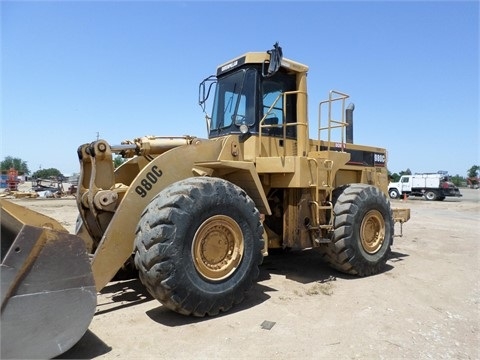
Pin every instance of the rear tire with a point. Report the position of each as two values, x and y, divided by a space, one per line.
430 195
363 230
199 246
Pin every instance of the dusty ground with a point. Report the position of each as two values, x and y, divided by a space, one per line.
425 306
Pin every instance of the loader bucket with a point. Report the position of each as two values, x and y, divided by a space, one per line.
47 288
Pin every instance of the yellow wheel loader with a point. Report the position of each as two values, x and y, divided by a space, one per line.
198 215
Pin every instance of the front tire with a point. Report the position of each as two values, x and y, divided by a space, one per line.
199 246
393 193
363 230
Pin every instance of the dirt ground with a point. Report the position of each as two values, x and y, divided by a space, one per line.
424 306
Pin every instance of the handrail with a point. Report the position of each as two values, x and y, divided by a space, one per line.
333 96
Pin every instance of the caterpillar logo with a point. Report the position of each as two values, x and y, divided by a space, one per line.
229 66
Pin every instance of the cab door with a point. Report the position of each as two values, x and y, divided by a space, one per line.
406 184
279 109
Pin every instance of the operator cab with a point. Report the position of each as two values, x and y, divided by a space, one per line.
253 89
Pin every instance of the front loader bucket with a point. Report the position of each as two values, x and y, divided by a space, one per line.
47 288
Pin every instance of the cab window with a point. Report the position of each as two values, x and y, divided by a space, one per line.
279 109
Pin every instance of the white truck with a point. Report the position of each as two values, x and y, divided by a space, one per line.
432 186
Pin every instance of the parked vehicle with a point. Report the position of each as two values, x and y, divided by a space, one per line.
432 186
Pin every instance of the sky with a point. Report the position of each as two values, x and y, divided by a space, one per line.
117 70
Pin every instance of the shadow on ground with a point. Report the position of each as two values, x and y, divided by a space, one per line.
88 347
304 267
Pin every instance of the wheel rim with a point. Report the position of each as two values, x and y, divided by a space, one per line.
372 231
217 247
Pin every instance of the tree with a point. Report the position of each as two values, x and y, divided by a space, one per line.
396 177
16 163
457 180
117 161
393 177
406 172
47 174
472 176
473 171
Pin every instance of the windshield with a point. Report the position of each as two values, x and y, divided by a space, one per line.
234 100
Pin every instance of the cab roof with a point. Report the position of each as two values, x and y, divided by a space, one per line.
259 58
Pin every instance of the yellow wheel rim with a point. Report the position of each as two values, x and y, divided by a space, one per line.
217 247
372 231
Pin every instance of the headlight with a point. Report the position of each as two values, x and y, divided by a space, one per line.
243 129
